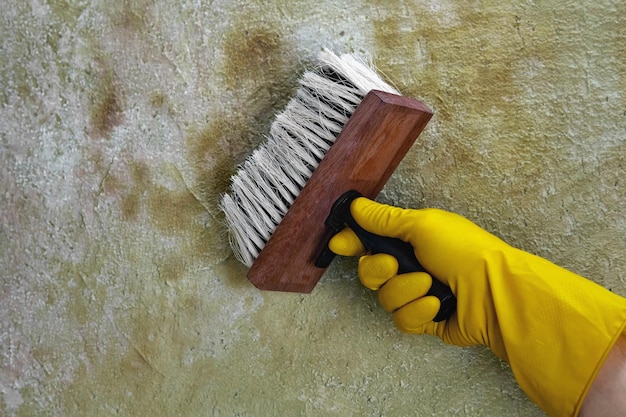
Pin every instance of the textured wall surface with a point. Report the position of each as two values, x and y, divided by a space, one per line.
121 123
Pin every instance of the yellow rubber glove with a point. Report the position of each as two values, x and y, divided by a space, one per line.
555 328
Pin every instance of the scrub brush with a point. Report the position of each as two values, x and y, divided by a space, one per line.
341 136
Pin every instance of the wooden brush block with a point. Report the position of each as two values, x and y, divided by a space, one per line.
363 157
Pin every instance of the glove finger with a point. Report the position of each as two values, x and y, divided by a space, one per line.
376 270
416 317
403 289
346 243
382 219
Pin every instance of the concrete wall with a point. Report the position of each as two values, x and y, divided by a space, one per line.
121 123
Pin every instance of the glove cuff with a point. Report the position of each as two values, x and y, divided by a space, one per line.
557 329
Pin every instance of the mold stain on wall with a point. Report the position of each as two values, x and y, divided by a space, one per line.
258 70
106 110
507 84
154 329
258 79
524 97
138 325
172 213
472 46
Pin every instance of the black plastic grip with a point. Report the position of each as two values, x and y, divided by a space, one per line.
399 249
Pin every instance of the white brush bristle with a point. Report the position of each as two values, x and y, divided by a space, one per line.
267 183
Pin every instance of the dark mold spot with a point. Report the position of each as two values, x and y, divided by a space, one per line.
260 72
172 211
130 206
158 99
131 15
213 152
106 111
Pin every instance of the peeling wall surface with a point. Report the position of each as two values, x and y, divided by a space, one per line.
122 122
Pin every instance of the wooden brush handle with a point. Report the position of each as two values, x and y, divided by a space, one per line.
363 157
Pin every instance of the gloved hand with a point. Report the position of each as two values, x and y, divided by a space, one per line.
555 328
